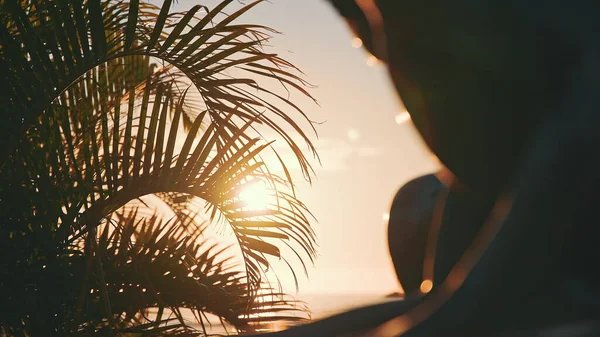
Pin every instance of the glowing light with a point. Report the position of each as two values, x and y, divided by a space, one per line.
426 286
402 117
257 196
353 134
372 61
357 42
385 217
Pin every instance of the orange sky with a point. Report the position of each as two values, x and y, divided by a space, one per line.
366 156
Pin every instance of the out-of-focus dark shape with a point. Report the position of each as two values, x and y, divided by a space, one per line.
430 228
409 226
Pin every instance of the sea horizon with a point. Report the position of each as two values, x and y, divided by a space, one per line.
326 304
320 305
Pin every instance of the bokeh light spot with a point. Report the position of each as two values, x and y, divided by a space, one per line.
426 286
402 118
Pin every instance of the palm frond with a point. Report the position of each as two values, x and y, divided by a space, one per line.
111 102
78 39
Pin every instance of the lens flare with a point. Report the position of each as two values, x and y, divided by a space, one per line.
357 42
385 217
402 118
426 286
372 61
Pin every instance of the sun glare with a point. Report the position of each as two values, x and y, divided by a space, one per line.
257 196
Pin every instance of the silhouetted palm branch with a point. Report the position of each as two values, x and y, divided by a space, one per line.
64 41
93 121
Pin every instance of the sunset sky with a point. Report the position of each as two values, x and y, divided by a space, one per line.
366 155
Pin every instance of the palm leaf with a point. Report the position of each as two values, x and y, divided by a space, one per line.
202 53
94 124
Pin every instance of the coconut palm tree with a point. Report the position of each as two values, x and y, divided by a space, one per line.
127 132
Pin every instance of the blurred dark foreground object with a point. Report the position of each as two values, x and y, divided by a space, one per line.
576 329
430 228
504 92
580 329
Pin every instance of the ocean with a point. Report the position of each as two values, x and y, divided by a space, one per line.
320 305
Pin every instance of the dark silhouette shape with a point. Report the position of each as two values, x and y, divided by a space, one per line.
464 213
430 228
470 73
409 227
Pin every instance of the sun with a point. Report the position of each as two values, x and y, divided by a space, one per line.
257 196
